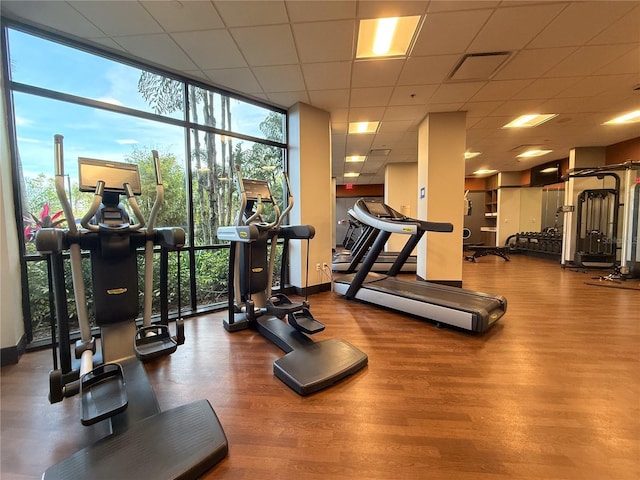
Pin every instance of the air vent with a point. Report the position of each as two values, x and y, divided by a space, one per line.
478 66
379 152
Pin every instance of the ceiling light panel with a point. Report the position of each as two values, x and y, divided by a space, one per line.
533 153
631 117
530 120
355 158
363 127
386 37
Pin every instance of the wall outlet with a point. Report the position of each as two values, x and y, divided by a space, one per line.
325 266
317 266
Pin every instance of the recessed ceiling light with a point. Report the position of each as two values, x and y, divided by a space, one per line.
532 120
351 175
468 155
355 158
386 37
484 172
534 153
631 117
363 127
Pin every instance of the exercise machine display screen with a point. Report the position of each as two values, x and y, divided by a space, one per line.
113 174
378 209
253 188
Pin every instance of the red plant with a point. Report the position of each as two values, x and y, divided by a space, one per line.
45 220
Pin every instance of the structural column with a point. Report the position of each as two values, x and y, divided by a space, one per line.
580 157
309 130
400 183
441 146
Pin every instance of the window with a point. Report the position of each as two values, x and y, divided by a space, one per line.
115 109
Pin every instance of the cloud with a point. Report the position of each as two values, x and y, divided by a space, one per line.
28 140
23 122
110 100
127 141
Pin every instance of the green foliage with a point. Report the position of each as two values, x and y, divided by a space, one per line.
161 93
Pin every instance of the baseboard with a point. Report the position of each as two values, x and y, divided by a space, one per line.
451 283
323 287
11 355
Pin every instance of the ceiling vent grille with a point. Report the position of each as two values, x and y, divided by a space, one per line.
478 66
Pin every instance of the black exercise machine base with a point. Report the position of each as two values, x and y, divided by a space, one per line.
481 250
189 442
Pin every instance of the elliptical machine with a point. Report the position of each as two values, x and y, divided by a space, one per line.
308 366
112 383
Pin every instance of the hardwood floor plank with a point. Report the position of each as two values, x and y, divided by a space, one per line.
552 391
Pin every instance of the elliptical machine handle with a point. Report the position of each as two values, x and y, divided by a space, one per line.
134 207
60 191
97 200
159 192
289 199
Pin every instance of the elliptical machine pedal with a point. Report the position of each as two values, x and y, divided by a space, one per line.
304 322
154 341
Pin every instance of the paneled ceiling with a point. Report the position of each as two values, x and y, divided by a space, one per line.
579 59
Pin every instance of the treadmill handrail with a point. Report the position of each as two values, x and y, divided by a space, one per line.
400 224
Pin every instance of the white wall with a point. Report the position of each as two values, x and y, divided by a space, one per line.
11 316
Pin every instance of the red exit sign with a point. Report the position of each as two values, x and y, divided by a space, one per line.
349 186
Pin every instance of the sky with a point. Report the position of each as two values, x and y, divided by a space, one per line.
90 132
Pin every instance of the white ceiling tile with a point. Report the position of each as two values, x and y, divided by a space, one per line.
58 15
108 42
454 5
118 18
476 109
515 108
427 70
627 63
445 107
545 88
500 90
370 97
452 92
532 63
251 13
374 73
327 75
159 48
315 11
279 50
396 8
412 94
330 100
580 22
238 79
413 113
600 85
325 41
280 78
359 144
449 32
511 28
400 127
625 30
288 99
339 119
366 114
210 49
586 60
184 16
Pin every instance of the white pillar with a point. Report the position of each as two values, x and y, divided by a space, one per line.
441 146
581 157
400 185
309 131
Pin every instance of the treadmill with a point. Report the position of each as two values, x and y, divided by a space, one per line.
348 261
465 309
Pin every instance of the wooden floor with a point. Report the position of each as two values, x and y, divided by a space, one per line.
551 392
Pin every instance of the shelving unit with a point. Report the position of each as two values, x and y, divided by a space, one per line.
490 211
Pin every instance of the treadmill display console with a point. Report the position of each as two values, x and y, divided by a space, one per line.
378 209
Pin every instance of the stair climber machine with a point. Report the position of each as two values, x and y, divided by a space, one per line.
465 309
308 366
143 442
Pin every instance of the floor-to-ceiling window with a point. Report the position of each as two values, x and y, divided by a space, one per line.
114 109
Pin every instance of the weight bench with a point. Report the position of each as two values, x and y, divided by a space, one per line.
482 250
